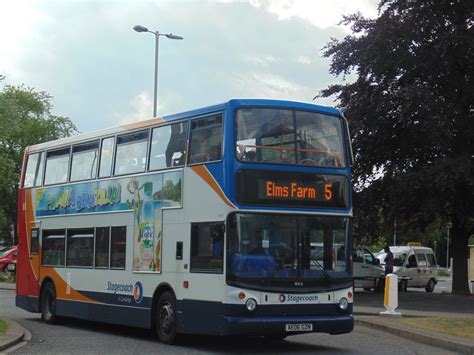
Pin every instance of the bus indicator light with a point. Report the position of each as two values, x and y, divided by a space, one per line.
185 284
241 295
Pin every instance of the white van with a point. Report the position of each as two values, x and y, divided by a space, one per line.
367 271
414 266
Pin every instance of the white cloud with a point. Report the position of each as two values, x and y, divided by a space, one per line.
261 60
258 85
321 13
100 72
139 108
18 20
304 59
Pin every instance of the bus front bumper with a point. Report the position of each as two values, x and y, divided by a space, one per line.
278 325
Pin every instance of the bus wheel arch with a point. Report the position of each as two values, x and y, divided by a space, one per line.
47 302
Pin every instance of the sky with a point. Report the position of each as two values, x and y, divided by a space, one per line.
101 73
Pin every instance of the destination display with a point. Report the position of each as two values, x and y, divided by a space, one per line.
282 188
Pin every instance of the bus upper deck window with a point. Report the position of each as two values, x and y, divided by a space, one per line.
57 165
168 146
206 139
84 161
106 157
131 153
34 170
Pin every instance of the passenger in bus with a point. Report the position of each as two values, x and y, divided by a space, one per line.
257 247
217 240
341 254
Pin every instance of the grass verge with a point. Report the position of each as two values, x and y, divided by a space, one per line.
3 327
459 327
7 277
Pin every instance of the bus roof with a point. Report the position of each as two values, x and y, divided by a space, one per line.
178 116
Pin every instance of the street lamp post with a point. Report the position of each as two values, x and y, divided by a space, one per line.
157 34
448 226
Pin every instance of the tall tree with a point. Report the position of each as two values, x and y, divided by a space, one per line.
411 106
25 119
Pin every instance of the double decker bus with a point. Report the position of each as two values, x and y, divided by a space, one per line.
231 219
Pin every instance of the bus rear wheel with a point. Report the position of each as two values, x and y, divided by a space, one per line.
166 318
48 304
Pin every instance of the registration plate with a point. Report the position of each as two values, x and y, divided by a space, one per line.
299 327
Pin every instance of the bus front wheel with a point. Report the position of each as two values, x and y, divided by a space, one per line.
166 318
48 304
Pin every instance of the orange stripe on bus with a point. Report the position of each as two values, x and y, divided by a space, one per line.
209 179
145 123
61 286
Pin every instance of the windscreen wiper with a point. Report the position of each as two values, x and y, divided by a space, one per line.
278 267
325 273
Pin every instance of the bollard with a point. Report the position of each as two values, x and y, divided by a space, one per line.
390 299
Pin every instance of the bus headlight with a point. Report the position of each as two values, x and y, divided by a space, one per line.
343 303
251 304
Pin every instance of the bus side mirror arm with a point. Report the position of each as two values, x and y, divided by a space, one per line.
348 140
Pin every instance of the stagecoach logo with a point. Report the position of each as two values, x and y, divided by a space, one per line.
297 298
138 292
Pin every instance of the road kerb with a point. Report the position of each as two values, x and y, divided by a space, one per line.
434 339
7 286
12 336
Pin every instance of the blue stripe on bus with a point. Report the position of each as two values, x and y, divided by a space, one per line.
28 303
113 314
217 173
117 299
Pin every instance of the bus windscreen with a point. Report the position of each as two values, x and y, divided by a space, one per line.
283 136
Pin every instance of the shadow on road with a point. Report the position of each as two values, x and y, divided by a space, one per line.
194 342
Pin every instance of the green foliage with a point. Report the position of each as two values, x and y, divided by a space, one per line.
410 110
7 277
25 119
3 326
374 245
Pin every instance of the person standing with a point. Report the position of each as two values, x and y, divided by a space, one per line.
388 261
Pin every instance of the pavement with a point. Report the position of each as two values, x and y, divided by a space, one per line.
13 337
367 306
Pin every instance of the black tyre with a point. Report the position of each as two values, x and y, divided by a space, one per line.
166 318
431 286
48 304
403 285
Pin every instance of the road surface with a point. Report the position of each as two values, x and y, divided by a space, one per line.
76 336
